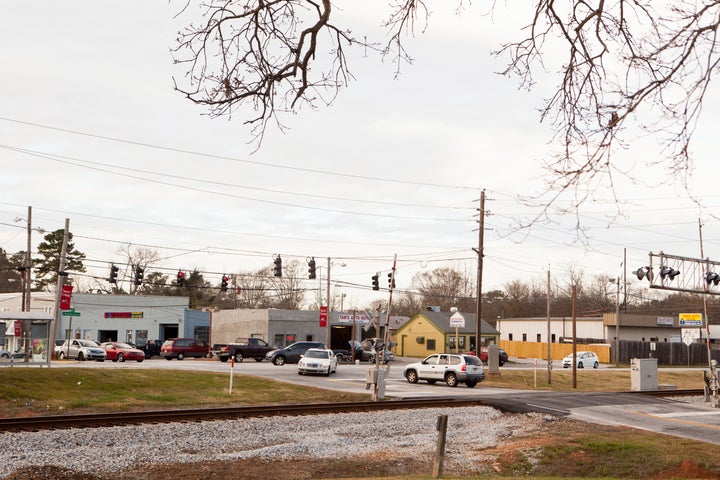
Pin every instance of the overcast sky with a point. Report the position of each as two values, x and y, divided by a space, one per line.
91 130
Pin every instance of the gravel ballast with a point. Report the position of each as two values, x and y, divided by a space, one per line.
105 450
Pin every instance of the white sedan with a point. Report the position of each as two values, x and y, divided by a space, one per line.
318 360
584 359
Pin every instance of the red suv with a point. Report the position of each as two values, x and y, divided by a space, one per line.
184 347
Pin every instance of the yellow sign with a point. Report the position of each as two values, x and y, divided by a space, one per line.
690 319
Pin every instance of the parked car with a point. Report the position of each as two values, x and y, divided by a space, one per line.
291 353
366 350
119 352
184 347
318 360
502 356
449 368
584 359
82 350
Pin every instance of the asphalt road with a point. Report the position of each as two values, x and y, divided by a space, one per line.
698 420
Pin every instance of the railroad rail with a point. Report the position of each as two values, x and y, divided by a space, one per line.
55 422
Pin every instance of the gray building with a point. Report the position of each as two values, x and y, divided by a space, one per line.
283 327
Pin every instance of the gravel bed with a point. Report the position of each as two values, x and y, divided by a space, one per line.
104 450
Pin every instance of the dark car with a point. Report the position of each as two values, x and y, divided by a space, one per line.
291 353
184 347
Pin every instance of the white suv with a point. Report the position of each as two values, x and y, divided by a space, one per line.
449 368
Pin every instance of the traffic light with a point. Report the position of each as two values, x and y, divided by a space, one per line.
139 273
375 283
278 266
113 274
668 272
180 282
712 277
224 283
644 272
311 269
391 280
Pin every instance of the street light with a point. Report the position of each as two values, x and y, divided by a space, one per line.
27 274
327 324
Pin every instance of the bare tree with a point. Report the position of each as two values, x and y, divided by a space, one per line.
627 66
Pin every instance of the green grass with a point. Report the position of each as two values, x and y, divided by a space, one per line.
52 391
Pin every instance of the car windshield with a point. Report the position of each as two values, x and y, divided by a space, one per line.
122 345
317 354
88 343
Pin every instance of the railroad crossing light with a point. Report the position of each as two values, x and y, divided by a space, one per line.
139 274
278 266
391 280
375 282
668 272
180 282
113 274
224 283
712 277
644 272
311 269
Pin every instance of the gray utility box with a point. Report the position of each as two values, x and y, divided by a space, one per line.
643 374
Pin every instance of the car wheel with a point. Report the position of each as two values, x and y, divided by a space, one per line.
411 376
121 357
259 359
371 359
451 380
239 357
81 357
501 363
140 360
327 374
223 359
61 355
279 360
595 365
471 384
168 358
299 372
580 365
432 382
180 356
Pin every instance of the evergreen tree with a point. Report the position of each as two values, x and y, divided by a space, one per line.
46 268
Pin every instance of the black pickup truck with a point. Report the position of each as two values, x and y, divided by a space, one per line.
242 348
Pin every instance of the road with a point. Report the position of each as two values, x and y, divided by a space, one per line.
697 421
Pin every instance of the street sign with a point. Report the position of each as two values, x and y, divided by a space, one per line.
70 313
689 335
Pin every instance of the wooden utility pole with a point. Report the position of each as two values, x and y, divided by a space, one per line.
481 254
549 334
58 291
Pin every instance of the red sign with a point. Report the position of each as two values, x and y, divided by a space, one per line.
65 297
18 328
323 316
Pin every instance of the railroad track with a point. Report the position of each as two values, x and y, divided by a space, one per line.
55 422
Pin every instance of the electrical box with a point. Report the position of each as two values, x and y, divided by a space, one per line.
643 374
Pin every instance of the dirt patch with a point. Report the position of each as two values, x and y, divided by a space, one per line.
689 469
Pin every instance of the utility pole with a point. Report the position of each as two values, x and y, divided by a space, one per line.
58 291
549 335
28 262
481 254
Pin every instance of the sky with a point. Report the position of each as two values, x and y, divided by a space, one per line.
92 131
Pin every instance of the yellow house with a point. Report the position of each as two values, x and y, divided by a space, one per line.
431 332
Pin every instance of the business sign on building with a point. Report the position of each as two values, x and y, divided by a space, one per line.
690 319
665 321
358 318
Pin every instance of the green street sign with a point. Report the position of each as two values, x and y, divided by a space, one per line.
70 313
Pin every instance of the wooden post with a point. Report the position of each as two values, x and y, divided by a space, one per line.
440 449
